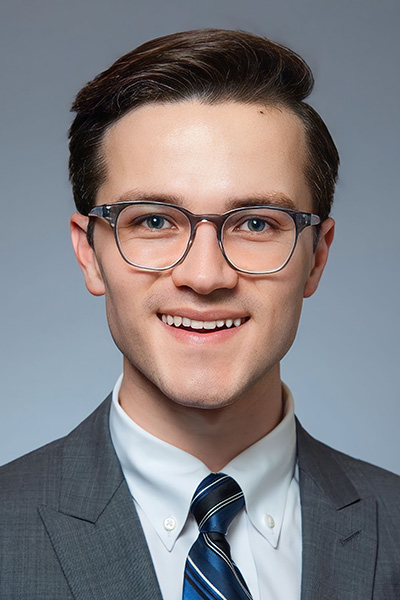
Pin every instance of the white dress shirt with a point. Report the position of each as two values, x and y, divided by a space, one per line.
265 537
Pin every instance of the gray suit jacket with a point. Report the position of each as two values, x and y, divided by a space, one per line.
69 530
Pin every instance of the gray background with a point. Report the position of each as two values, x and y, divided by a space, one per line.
57 357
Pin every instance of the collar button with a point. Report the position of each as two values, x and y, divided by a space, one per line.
169 523
269 521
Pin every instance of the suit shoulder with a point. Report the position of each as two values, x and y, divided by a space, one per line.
29 472
368 479
367 470
372 480
39 471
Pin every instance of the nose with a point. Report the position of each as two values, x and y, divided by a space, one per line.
205 269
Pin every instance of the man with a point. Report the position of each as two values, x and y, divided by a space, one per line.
203 184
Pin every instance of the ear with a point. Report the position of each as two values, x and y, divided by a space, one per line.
320 256
85 255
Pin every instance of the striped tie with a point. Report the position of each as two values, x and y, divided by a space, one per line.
210 573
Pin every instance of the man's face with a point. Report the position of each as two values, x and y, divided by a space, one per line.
207 159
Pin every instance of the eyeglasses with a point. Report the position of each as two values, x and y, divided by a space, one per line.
157 236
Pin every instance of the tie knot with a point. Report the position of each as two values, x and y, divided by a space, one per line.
216 502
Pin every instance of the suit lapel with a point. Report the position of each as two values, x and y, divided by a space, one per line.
339 528
95 530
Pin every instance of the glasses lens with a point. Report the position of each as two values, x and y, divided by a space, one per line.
152 236
259 240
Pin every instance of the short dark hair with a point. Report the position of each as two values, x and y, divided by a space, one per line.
213 66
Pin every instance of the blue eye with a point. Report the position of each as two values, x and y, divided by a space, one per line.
256 225
155 222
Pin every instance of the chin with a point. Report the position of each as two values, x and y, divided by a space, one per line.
204 403
202 395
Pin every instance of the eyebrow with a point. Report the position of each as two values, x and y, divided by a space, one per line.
277 199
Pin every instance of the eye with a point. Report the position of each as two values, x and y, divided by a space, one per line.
156 222
254 224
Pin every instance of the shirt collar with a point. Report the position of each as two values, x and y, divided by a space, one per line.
163 478
265 470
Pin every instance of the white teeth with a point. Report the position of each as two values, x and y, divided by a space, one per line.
177 321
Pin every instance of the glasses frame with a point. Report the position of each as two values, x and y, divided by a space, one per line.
111 212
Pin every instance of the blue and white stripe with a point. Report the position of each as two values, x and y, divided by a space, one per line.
210 573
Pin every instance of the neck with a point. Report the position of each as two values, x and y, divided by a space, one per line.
213 435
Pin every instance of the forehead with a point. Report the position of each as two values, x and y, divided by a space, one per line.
206 157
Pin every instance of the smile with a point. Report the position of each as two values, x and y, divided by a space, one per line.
186 323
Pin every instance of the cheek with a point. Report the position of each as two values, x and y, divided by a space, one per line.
281 303
132 299
282 292
123 309
287 317
120 329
